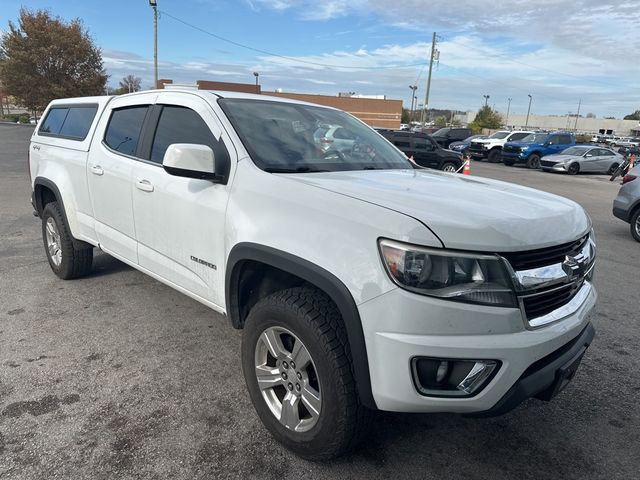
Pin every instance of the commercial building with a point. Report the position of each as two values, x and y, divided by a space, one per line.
608 126
377 112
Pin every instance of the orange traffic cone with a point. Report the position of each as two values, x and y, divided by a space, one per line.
467 167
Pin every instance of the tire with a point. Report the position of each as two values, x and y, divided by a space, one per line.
65 259
573 169
449 167
494 156
307 317
635 225
533 161
612 169
508 163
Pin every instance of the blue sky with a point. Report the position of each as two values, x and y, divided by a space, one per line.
559 51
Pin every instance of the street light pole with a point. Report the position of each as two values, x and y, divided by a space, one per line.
575 126
526 123
486 99
154 5
256 74
426 96
508 110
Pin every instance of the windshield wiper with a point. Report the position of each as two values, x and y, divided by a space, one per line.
293 170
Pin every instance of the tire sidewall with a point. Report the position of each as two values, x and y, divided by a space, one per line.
573 169
634 221
533 161
494 156
52 211
303 443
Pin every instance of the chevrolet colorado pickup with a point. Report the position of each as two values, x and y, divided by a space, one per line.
360 283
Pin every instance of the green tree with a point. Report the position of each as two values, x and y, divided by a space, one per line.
44 57
486 118
633 116
440 121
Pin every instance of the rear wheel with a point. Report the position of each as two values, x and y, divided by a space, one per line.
449 167
494 156
635 225
533 161
66 260
573 169
297 366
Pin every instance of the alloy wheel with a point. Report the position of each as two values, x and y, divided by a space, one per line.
288 379
54 246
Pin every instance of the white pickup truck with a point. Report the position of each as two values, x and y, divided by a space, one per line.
490 148
360 281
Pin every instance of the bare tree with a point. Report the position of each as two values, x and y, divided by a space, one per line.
130 84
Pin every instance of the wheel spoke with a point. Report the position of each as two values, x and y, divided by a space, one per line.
268 377
273 342
300 355
289 415
50 229
311 400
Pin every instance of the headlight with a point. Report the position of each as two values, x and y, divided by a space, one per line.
458 276
524 147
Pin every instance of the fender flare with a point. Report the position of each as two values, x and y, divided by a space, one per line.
37 204
317 276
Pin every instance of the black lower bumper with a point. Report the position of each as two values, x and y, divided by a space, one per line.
621 214
545 378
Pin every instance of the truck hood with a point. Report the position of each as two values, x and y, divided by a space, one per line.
468 213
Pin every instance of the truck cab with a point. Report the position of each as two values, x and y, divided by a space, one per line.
535 146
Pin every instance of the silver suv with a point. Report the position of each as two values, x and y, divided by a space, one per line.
626 205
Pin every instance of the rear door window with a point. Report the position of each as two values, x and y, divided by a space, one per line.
183 125
565 140
123 131
52 123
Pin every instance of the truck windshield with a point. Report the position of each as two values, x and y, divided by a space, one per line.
500 135
293 138
534 138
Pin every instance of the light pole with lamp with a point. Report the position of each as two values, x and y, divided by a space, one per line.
486 99
413 99
154 5
256 74
526 123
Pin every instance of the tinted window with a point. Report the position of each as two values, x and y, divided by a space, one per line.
404 143
421 144
606 153
78 122
183 125
517 136
554 140
53 121
124 129
565 139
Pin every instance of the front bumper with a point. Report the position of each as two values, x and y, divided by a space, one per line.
515 157
399 326
554 168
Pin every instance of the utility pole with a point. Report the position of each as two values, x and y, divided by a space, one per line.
508 110
575 126
486 99
154 5
426 96
413 99
526 123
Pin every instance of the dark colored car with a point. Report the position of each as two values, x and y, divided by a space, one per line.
462 145
446 136
629 151
425 150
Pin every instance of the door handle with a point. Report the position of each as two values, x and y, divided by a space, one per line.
144 185
97 170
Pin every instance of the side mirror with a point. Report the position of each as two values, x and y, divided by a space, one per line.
587 155
191 161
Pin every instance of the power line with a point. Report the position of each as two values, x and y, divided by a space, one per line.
293 59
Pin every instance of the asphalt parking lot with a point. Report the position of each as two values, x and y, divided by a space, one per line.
119 376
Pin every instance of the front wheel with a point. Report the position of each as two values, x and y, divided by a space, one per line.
494 156
296 363
449 167
533 161
573 169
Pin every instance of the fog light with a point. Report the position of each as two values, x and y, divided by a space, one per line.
443 377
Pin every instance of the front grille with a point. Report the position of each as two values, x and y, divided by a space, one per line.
511 149
546 302
476 147
544 256
547 163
